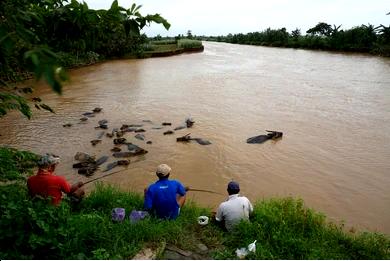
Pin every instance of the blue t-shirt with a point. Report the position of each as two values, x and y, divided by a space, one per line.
160 198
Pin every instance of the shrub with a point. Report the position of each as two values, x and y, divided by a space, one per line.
16 165
186 43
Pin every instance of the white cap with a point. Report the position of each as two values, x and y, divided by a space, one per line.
163 170
48 159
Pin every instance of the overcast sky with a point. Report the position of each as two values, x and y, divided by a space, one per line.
220 17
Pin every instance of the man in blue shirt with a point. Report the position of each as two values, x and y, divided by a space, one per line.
165 197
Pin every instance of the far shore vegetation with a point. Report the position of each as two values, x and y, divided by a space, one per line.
363 39
283 227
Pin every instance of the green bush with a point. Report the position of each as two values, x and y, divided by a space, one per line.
16 164
186 43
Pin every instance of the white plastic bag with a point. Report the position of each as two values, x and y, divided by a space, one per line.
203 220
243 252
252 247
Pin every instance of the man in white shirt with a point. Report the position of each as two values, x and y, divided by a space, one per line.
235 208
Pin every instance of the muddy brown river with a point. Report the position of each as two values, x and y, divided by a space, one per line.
333 108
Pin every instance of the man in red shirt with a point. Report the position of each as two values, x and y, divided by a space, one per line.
46 184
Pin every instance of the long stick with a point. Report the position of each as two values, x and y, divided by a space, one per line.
205 190
112 173
109 174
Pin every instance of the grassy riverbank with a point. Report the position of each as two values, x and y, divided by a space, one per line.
171 47
283 228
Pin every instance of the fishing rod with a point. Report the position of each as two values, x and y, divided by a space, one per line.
204 190
187 189
106 175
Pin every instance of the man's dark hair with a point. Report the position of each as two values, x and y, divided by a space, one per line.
233 191
161 176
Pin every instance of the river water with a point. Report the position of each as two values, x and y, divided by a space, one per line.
334 111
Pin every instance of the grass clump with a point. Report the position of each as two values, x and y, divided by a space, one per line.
188 43
285 229
163 42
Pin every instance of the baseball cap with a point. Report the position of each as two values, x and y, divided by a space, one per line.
233 185
48 159
163 170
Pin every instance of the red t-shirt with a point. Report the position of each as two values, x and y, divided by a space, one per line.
46 184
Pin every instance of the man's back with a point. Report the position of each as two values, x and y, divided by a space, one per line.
233 210
161 198
48 185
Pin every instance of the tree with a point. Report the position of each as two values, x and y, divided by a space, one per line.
31 32
296 33
321 29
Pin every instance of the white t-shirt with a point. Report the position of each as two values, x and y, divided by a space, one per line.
233 210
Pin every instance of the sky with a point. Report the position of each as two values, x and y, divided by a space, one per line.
221 17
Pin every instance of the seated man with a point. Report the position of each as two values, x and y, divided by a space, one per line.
165 197
235 208
46 184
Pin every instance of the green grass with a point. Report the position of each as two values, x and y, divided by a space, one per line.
164 42
170 46
187 43
16 165
284 229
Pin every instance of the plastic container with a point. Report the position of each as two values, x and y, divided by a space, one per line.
118 214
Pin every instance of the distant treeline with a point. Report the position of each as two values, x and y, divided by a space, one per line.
364 38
